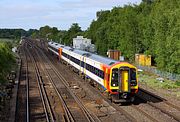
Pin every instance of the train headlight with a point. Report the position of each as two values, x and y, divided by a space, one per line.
133 82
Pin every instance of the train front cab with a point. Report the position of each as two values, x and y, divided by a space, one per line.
123 82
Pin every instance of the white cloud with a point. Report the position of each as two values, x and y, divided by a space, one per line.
60 13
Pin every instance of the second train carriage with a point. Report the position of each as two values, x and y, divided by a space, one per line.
118 79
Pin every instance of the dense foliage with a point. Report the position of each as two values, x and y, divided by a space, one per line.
6 60
62 36
73 31
11 33
153 27
15 33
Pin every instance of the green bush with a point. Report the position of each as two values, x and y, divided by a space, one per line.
6 60
177 83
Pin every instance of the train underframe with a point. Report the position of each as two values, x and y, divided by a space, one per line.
122 97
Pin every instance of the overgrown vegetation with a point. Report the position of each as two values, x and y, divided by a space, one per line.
154 83
151 81
6 60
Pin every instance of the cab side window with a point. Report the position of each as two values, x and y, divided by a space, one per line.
133 80
114 80
133 74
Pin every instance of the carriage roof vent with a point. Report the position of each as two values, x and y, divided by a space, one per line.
71 49
86 54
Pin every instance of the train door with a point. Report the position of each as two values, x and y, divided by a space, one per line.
124 79
60 53
68 59
82 64
84 69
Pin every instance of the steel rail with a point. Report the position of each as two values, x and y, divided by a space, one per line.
41 90
44 91
159 98
27 88
83 108
177 118
68 114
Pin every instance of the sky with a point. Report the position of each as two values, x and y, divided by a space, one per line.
34 14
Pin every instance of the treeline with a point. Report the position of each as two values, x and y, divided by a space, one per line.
15 33
6 60
61 36
153 27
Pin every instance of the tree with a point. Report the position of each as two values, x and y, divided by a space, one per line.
73 31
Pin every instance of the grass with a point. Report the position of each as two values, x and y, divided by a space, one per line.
169 88
151 81
177 83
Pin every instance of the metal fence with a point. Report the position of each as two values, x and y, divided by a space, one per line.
171 76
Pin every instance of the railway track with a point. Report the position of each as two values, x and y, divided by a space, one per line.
27 91
160 103
52 96
22 113
45 102
171 113
122 109
65 94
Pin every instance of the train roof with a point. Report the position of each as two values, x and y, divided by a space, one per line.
55 45
80 52
98 58
104 60
67 48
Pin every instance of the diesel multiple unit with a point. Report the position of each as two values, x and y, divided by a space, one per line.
117 79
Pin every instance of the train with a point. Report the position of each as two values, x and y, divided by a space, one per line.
118 80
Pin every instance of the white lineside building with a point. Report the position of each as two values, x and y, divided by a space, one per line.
83 44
